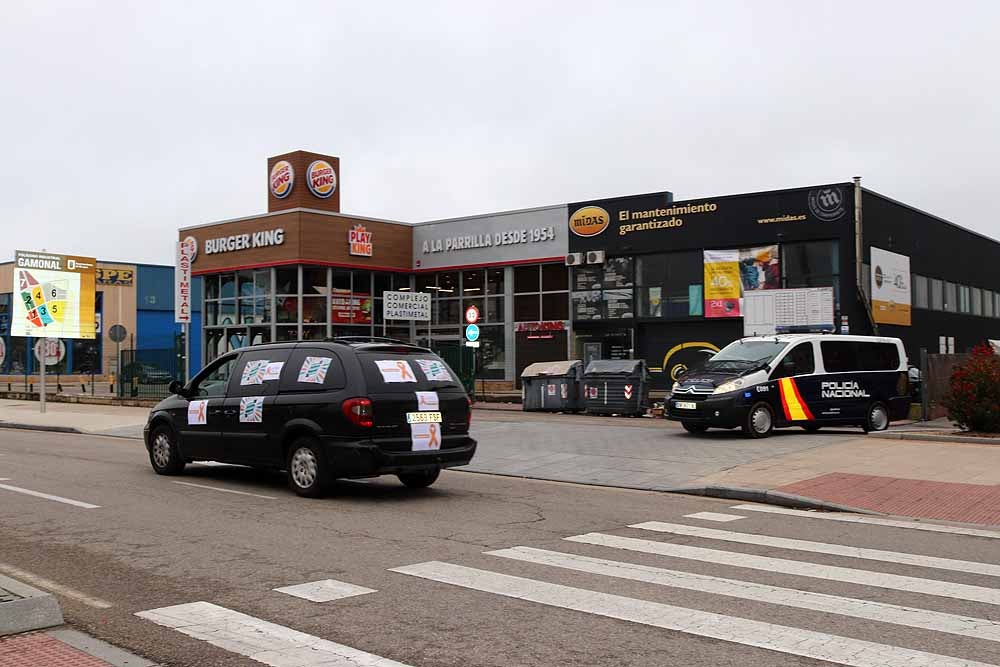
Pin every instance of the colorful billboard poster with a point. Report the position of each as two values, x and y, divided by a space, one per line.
722 283
890 287
53 296
760 268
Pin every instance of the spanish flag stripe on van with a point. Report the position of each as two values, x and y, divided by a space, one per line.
791 400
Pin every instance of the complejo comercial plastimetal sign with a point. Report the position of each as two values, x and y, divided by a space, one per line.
406 306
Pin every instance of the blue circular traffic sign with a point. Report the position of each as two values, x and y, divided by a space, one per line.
472 332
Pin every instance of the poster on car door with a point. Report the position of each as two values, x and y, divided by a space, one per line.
722 283
197 413
890 287
252 409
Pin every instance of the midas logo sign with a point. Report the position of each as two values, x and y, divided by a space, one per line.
282 179
321 179
589 221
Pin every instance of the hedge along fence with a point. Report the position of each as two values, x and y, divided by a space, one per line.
974 398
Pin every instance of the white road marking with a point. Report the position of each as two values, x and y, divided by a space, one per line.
813 570
53 587
873 520
713 516
972 567
806 643
978 628
215 488
46 496
324 591
260 640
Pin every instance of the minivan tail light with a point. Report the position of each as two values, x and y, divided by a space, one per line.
359 412
469 418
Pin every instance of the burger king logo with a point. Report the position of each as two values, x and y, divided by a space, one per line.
589 221
282 179
189 248
321 178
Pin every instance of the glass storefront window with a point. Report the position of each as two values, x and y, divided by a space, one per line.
478 303
977 301
342 279
555 306
288 333
526 308
555 278
211 313
473 283
937 294
314 310
214 344
260 335
287 278
314 280
426 282
812 264
950 297
526 279
491 364
313 332
448 284
447 311
288 310
227 312
494 309
262 282
211 287
494 281
228 285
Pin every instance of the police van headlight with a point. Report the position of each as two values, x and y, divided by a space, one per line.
726 387
673 389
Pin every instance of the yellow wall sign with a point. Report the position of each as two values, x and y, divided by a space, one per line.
589 221
53 296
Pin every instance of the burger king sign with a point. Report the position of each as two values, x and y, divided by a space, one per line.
282 179
321 178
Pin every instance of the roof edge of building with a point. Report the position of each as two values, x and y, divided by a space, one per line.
272 214
929 215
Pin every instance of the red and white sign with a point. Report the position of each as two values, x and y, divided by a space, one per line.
54 350
321 178
471 315
550 325
360 240
187 250
628 392
282 179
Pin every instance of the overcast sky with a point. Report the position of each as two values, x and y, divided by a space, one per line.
122 121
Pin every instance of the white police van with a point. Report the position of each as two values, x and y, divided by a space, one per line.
808 380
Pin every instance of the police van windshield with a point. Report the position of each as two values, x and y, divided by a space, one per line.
742 355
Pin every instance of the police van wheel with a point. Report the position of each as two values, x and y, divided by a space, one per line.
692 427
878 418
810 428
760 421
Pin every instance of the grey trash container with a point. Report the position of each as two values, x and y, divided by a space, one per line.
553 386
616 387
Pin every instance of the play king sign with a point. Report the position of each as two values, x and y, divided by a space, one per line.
360 241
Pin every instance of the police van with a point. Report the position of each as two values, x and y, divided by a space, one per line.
808 380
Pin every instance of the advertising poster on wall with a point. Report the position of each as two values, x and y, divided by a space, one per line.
722 283
760 268
890 287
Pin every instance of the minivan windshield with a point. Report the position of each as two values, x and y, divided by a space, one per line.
743 355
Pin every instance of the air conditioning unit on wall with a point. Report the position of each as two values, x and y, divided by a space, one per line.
574 259
595 257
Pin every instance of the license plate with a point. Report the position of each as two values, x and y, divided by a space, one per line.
685 405
425 417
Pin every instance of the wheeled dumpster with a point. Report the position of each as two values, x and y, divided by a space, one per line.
552 386
616 387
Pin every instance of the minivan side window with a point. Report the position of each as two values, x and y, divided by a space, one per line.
257 373
845 356
214 382
798 361
318 370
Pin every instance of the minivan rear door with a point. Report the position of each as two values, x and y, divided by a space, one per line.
418 402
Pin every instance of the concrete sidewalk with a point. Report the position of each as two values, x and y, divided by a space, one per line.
74 417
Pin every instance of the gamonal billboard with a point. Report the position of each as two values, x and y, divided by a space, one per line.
53 296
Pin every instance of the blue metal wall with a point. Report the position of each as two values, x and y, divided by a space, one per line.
155 326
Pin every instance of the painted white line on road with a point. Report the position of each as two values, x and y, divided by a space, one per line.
260 640
53 587
215 488
46 496
972 567
713 516
784 639
978 628
324 591
848 575
872 520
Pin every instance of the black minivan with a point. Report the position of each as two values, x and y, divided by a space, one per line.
347 408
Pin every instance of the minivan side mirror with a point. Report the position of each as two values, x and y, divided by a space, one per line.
176 387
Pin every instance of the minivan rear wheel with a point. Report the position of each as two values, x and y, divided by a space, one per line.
307 470
419 480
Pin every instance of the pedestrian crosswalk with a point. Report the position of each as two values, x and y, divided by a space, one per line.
681 579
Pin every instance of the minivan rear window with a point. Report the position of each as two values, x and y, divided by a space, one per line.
406 372
845 356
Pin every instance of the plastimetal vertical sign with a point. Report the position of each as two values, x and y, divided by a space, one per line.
186 252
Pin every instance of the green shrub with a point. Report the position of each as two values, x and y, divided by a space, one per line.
974 400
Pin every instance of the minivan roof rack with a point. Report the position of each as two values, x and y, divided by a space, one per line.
360 340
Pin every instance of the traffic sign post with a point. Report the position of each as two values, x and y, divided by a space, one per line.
471 315
472 333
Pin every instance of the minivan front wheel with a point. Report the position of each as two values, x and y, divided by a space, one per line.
164 455
877 419
760 421
307 471
419 480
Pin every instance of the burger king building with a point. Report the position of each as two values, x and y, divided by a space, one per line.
611 278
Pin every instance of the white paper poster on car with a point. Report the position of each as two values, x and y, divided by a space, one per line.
428 400
434 370
197 413
395 370
251 409
551 389
564 390
253 372
425 437
273 371
313 370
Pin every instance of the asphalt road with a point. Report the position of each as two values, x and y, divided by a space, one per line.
850 593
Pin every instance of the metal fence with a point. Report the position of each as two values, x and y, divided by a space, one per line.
148 373
936 376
